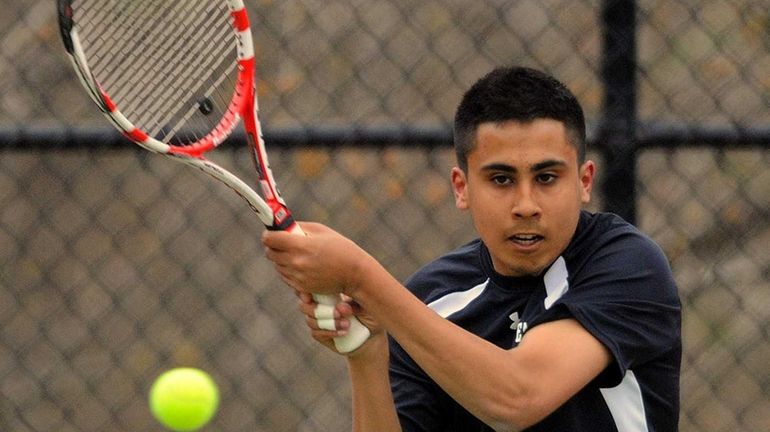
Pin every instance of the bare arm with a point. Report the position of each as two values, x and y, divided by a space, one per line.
373 408
372 400
507 389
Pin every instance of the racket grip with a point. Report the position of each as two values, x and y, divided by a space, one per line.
357 332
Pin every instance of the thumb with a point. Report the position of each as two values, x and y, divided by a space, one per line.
277 240
314 228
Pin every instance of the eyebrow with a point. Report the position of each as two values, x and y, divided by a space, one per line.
540 166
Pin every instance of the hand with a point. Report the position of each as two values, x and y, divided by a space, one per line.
320 262
341 320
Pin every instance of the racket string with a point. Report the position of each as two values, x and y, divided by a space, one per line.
167 135
221 67
113 56
159 59
183 79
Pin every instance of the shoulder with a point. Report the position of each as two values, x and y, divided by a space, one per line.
607 249
607 236
621 290
452 271
593 227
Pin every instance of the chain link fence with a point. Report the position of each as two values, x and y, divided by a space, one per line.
116 265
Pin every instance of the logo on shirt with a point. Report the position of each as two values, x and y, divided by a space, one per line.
518 325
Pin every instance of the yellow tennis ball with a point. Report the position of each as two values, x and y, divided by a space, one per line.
184 399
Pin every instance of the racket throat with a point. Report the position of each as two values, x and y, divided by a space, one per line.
282 218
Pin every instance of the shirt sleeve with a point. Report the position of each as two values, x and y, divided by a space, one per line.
626 297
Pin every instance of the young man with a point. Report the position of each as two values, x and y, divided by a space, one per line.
555 319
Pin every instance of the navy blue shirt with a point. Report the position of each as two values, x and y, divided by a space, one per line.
612 279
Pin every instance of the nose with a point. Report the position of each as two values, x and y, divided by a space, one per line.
525 205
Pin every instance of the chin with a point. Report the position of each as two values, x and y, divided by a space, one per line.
518 271
534 269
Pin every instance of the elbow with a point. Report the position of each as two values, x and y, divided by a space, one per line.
511 423
516 413
503 427
507 424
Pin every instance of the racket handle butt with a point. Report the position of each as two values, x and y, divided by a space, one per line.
356 336
357 332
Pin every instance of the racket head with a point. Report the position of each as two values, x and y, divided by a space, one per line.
175 77
173 92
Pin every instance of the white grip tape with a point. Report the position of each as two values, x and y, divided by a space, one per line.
357 333
324 315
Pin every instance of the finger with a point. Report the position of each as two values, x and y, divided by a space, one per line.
291 276
278 240
307 308
277 256
289 280
344 309
326 337
324 316
311 227
348 306
323 311
306 298
337 327
326 324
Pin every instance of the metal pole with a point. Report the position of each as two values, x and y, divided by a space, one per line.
617 128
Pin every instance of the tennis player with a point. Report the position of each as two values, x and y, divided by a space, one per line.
555 319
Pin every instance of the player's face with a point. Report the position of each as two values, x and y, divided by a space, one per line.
524 190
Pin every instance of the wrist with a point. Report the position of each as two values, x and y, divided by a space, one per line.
374 350
358 275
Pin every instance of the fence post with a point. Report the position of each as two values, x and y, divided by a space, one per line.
617 127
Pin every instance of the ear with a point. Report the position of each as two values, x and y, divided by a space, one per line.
460 188
587 173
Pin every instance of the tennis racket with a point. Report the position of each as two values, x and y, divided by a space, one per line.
176 77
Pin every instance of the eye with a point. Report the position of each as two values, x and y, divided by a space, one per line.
501 179
546 178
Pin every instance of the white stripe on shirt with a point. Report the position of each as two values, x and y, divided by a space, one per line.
555 280
457 301
626 404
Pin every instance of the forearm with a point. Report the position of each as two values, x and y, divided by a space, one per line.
504 388
474 372
373 407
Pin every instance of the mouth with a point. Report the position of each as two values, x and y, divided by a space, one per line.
526 240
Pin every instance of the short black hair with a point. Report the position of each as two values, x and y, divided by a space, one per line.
517 94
